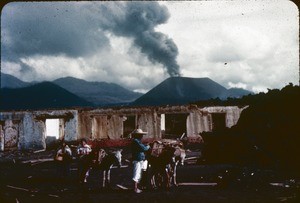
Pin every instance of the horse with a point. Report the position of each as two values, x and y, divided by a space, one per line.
163 159
100 160
178 158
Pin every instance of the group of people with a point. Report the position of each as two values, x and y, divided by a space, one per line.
64 157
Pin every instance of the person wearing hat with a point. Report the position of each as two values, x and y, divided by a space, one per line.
138 156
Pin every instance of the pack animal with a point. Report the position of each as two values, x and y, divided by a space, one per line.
100 160
163 160
178 158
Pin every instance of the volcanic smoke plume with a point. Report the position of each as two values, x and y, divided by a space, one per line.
138 20
79 29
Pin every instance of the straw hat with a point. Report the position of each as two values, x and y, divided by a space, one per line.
139 132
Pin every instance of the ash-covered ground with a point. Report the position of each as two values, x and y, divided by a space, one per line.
32 177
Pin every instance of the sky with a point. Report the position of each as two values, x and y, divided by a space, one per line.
247 44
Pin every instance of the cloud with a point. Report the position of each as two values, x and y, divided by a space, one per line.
253 43
81 29
138 21
237 85
48 29
235 43
130 69
137 44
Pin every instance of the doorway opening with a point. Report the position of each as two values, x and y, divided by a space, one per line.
218 121
54 131
128 125
52 128
163 124
175 125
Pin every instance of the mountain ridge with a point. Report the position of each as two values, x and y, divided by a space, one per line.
184 90
97 92
171 91
43 95
9 81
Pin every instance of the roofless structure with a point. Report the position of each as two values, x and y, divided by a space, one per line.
24 130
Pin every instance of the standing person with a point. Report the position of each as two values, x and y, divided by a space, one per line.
83 153
138 156
63 157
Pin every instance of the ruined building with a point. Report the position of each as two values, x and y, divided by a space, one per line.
25 130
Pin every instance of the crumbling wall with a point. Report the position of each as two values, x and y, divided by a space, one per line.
109 122
99 127
84 125
11 134
70 121
115 126
27 129
200 120
107 126
150 122
232 113
71 126
1 138
32 133
61 130
10 130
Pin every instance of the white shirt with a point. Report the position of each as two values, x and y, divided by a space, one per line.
83 150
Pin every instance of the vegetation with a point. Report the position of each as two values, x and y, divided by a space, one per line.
266 135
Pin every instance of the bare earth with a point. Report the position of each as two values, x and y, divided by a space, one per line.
33 178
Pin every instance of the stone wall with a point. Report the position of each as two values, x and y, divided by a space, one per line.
1 138
201 120
26 130
32 132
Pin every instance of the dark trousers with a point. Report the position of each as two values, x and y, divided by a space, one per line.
63 169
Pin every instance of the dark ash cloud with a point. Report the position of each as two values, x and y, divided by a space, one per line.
138 21
78 29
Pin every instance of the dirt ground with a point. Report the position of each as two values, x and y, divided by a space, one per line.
33 178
